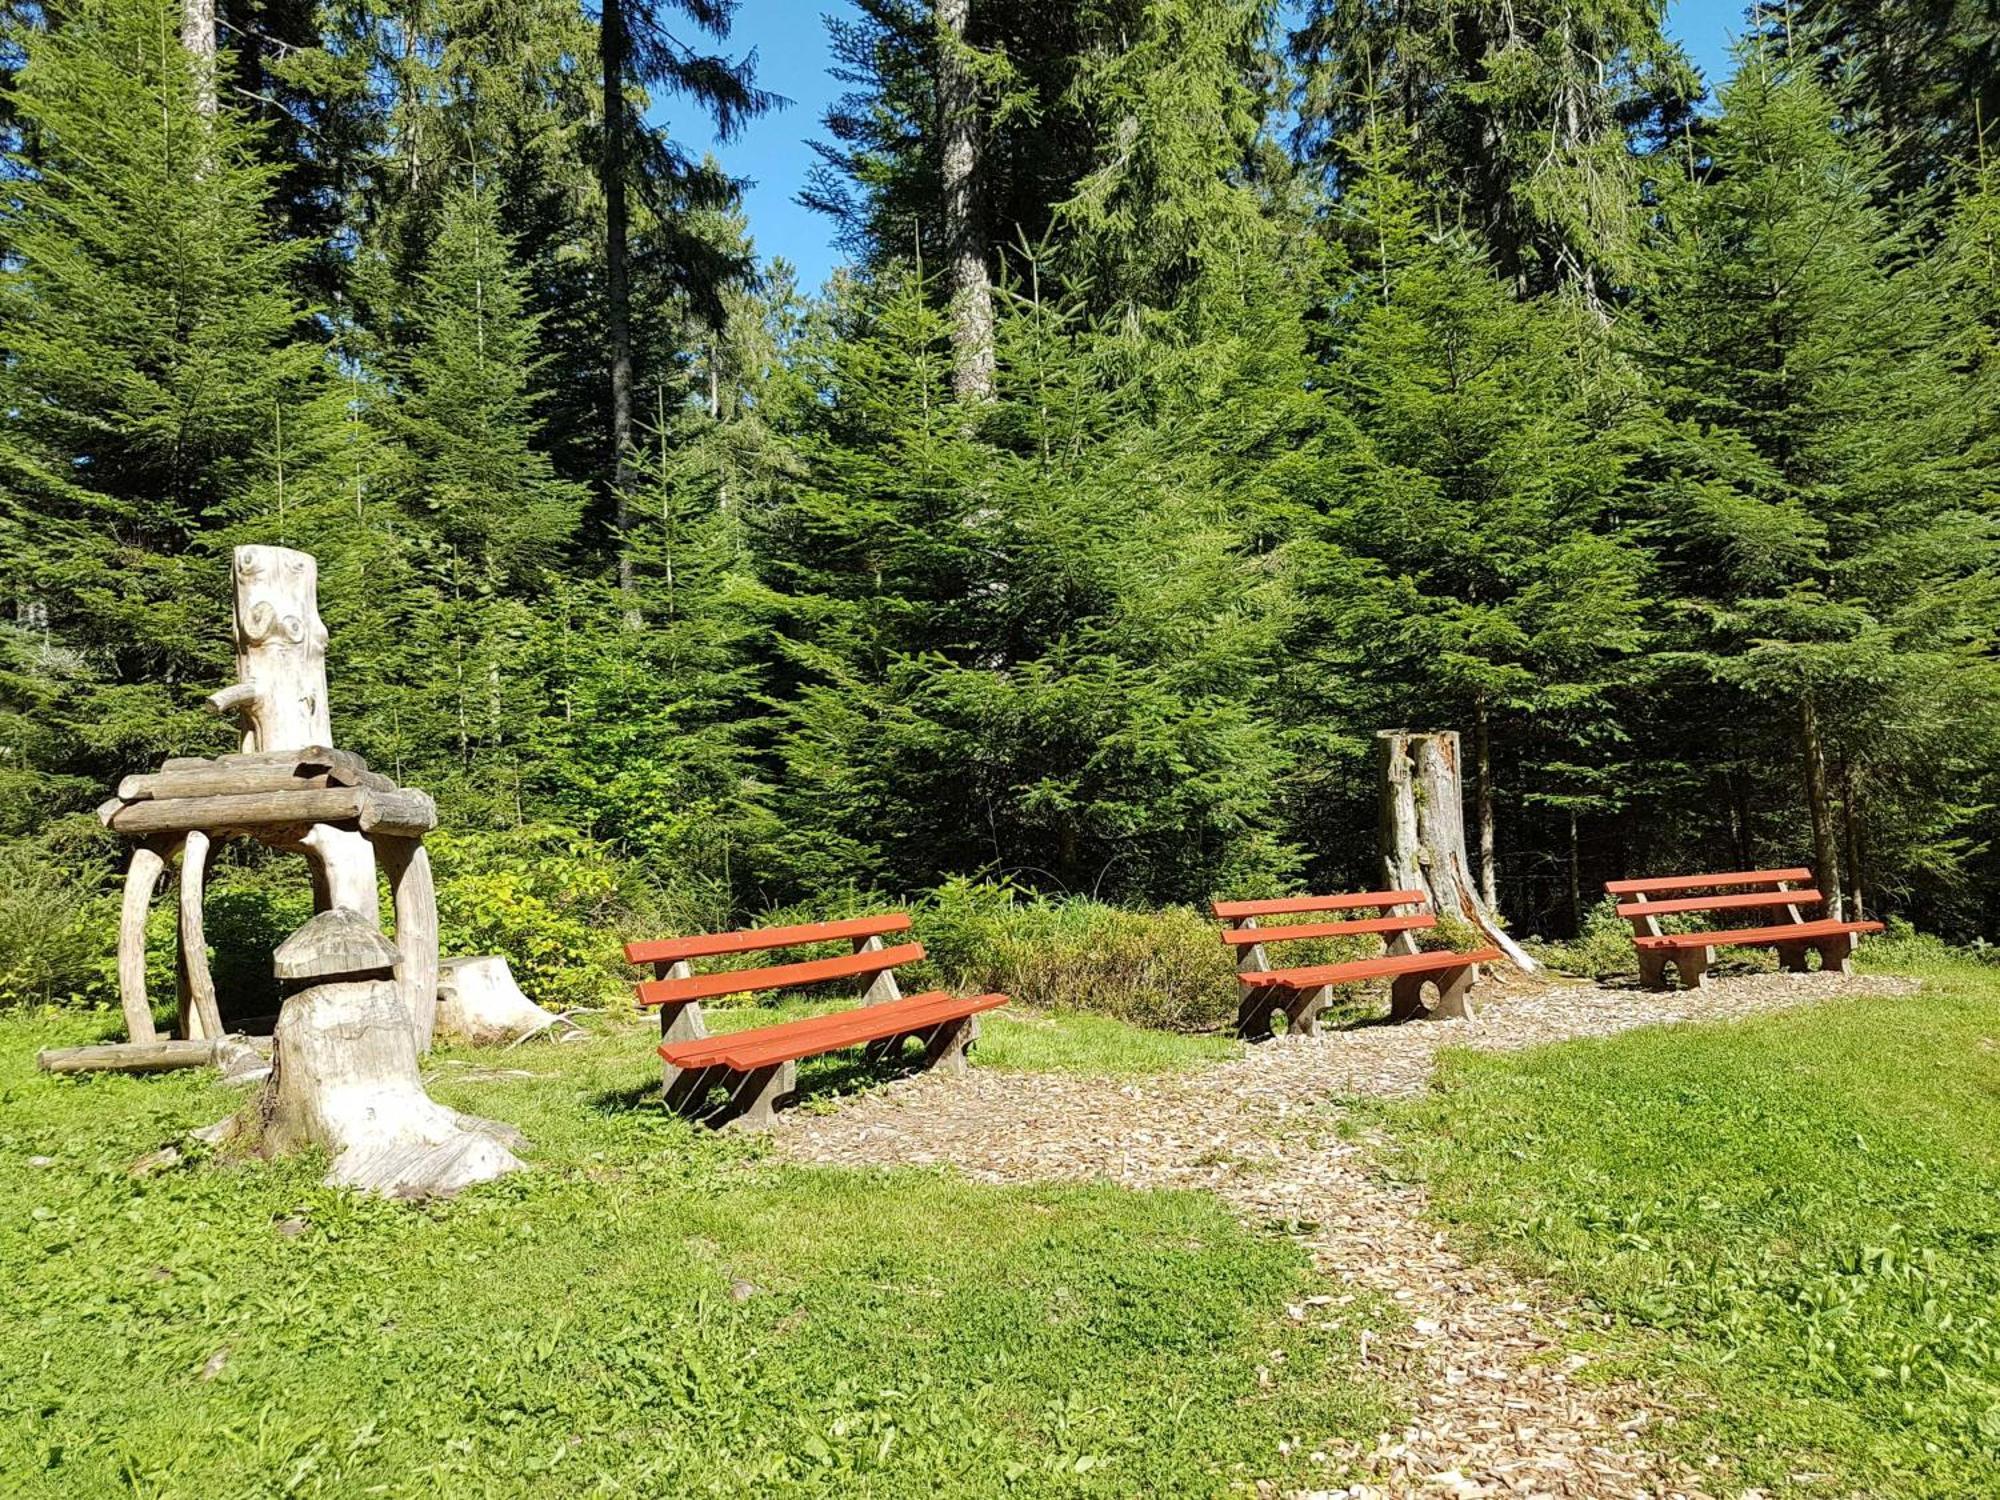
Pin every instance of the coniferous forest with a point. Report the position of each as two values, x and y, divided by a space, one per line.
1212 384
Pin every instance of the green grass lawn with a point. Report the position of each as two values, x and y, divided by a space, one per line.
1794 1221
650 1312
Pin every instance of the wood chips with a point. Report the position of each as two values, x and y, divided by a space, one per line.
1482 1355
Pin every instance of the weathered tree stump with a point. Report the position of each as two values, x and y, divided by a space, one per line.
479 1002
345 1076
1422 803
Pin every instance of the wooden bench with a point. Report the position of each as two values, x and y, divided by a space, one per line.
1644 902
1303 993
756 1070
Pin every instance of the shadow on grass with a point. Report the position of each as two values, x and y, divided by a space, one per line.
822 1080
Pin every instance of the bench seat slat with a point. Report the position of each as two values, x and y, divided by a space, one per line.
1756 937
1748 899
1249 937
702 1051
1286 905
1700 882
788 1041
1367 968
777 976
756 939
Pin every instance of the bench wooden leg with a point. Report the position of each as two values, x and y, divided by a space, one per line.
1652 968
1792 957
1694 964
947 1046
755 1096
1303 1008
1836 952
1406 997
1253 1015
1455 994
1454 1002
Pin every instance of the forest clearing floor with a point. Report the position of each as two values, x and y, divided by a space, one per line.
1500 1406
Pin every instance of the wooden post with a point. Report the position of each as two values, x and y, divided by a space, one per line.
201 1017
414 897
142 876
1422 823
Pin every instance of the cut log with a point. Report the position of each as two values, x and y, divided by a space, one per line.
219 781
478 1001
342 767
1422 826
248 811
344 1077
404 813
161 1055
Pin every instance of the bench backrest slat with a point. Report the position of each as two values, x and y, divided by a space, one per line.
715 944
1653 885
1287 905
1747 900
1247 937
777 976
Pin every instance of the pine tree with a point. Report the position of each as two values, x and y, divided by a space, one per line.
160 382
1822 504
1458 565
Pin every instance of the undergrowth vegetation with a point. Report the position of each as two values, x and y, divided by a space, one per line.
1799 1216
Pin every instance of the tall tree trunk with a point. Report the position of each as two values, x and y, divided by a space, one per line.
1482 750
613 47
1826 851
1575 879
198 37
1851 821
965 248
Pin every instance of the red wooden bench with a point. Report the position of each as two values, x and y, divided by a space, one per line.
1644 902
757 1069
1303 993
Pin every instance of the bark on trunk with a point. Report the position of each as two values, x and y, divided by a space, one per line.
1851 823
965 241
1826 851
1423 832
1482 745
198 37
613 48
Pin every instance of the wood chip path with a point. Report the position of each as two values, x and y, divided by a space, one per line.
1481 1353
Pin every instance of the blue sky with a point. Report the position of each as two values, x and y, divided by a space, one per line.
791 45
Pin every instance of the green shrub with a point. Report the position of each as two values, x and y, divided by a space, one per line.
546 897
58 931
1164 969
1602 950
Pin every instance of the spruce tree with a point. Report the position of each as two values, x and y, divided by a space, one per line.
160 384
1821 497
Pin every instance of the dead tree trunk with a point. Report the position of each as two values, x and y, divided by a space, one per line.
1826 849
958 131
1482 749
1423 832
344 1075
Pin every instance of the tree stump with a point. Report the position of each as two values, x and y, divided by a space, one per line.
479 1002
344 1075
1423 832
